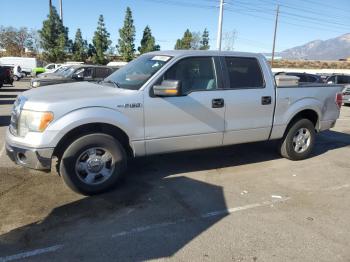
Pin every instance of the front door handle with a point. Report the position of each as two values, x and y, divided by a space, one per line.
266 100
217 103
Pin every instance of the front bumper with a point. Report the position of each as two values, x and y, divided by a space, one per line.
30 157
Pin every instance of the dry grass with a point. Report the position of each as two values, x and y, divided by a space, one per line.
311 64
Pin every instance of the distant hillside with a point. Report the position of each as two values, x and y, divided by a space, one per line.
331 49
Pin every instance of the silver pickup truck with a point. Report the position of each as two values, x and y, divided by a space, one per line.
164 102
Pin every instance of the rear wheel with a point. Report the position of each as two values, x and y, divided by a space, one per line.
93 163
299 140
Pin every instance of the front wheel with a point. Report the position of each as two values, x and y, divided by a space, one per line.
93 164
299 140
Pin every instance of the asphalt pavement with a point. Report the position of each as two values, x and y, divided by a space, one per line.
238 203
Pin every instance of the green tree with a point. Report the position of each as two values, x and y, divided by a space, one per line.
126 45
101 42
54 38
148 42
79 47
185 42
178 44
205 40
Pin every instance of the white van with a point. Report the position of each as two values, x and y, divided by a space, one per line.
26 63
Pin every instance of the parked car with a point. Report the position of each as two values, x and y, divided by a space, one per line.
6 75
338 79
57 71
16 71
75 73
49 68
27 64
346 95
304 78
164 102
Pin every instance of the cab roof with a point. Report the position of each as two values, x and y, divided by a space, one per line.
179 53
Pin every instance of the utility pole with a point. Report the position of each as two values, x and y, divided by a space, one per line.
61 11
274 35
50 7
218 40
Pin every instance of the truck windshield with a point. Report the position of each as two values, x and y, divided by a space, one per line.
137 72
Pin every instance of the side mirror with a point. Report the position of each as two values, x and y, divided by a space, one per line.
168 88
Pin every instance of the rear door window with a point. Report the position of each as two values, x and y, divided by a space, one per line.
244 73
102 72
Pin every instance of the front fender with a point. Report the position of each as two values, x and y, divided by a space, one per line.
132 126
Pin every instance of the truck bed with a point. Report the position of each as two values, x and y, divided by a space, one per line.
293 99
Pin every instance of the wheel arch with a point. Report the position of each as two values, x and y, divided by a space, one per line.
309 114
91 128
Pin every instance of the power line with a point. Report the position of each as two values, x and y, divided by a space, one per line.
315 20
181 3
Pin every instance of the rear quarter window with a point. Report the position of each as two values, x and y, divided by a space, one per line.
244 73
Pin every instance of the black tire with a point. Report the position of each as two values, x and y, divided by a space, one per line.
1 83
287 146
68 162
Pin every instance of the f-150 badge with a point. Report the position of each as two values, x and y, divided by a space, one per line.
133 105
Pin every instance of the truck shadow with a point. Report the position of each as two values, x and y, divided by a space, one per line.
153 193
330 140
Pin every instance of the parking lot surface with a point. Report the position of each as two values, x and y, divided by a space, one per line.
238 203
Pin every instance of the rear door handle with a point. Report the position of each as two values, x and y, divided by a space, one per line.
217 103
266 100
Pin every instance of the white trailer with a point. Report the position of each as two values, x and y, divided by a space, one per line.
27 64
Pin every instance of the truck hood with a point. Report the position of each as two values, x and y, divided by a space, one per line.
72 96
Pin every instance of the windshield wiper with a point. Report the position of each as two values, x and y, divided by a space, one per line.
110 82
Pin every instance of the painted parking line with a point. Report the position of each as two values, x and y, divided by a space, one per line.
2 151
31 253
336 188
203 216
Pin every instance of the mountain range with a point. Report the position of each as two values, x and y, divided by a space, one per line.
331 49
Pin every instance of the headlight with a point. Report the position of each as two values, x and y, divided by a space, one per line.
32 121
35 84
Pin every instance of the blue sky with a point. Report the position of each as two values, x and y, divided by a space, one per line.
253 21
